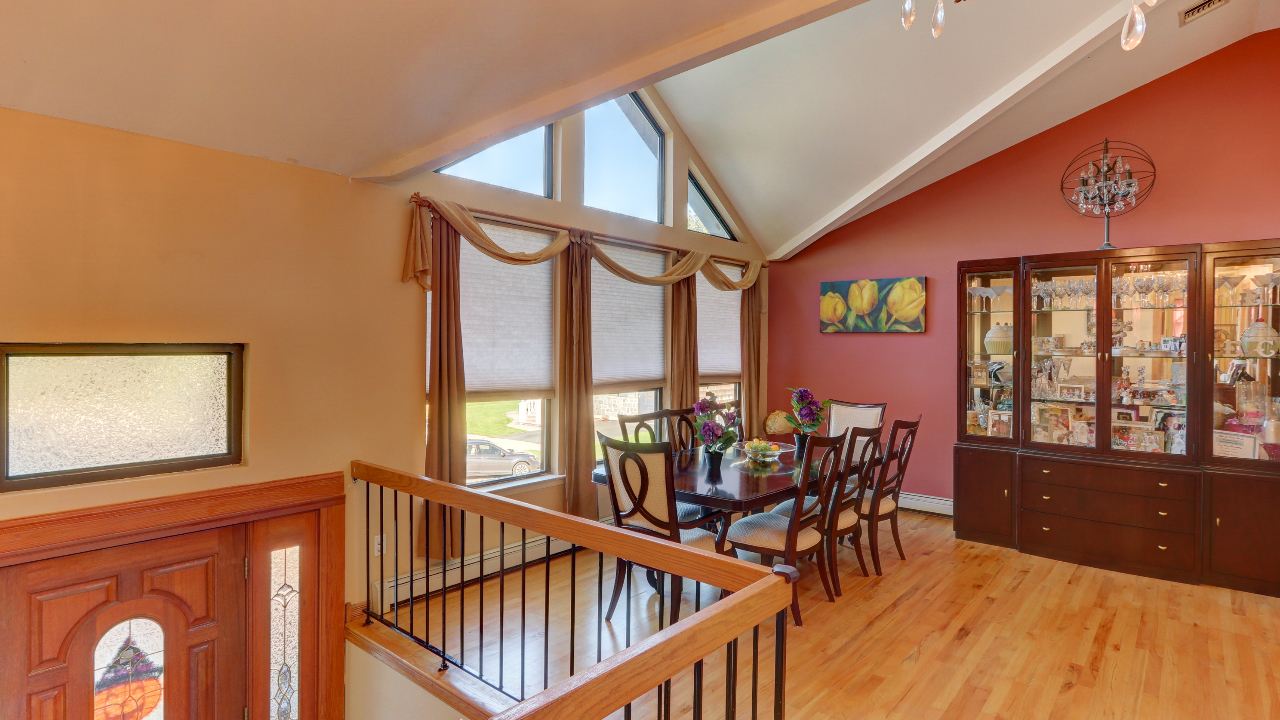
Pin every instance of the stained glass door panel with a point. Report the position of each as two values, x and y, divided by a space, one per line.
1063 356
1149 352
1246 358
989 353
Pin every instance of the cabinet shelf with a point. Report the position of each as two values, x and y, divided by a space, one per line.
989 312
1063 310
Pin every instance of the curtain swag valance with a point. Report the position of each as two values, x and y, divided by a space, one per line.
417 259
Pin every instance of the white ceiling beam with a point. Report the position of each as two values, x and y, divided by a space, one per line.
1102 29
673 60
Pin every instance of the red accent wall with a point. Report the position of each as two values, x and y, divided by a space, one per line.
1213 129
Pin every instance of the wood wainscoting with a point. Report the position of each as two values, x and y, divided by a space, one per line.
198 566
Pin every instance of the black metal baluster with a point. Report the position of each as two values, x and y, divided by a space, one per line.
462 588
382 556
600 608
780 665
697 667
573 601
395 539
368 560
731 680
524 564
445 512
755 670
411 536
426 575
502 603
546 615
481 597
626 712
663 700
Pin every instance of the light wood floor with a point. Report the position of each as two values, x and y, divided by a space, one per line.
958 630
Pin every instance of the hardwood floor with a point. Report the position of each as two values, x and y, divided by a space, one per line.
958 630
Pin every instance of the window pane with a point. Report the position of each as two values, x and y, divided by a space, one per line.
519 163
628 321
286 605
724 392
128 671
506 315
89 411
624 159
719 327
505 438
703 217
609 406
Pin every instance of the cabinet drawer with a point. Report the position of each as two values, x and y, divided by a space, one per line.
1107 540
1169 486
1146 512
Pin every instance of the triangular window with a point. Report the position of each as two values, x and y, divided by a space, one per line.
703 216
522 163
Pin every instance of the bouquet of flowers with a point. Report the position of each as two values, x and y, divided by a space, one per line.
717 436
806 412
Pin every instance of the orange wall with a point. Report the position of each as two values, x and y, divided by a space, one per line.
107 236
1210 126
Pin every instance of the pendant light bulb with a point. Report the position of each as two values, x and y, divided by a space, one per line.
1135 26
908 13
1151 3
939 18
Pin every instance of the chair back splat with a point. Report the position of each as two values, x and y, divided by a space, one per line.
672 426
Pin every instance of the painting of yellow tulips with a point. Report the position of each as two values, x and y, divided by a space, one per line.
875 306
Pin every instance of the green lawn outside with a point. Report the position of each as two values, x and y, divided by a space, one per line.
490 418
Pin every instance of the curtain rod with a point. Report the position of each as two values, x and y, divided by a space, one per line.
539 223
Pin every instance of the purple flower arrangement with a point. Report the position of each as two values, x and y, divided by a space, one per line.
806 412
715 424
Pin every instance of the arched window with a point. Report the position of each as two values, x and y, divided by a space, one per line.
128 672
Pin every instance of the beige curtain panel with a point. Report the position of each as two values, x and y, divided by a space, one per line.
682 372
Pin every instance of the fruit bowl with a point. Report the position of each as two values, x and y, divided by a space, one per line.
764 452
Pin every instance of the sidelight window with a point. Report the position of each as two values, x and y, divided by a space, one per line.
286 604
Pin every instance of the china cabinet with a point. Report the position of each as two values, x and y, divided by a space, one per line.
1121 408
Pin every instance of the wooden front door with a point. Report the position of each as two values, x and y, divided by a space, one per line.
149 631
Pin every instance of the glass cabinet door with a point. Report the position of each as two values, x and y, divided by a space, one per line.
989 353
1148 358
1064 356
1246 416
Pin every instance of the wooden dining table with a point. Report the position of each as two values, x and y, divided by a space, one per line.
740 485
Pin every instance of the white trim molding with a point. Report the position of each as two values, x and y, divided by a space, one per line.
926 503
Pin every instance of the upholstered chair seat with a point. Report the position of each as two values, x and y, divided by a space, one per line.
784 507
769 530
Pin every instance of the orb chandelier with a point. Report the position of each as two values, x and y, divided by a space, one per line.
1108 180
1131 32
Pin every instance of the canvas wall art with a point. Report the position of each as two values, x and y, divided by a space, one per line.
875 306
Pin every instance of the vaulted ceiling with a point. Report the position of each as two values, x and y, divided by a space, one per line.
815 128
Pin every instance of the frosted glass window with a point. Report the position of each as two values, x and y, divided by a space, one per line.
285 627
128 672
702 214
521 163
623 171
99 414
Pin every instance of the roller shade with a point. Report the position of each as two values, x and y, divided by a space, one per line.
507 318
628 323
719 329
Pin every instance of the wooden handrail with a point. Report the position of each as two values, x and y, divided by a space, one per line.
602 688
719 571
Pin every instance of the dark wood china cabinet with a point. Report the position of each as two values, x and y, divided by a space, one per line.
1121 409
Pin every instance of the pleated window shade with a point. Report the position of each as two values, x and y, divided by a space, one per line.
628 324
507 318
719 329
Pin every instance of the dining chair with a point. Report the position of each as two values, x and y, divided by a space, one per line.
883 501
643 500
843 513
842 415
797 534
672 426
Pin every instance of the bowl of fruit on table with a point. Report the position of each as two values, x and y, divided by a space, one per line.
763 451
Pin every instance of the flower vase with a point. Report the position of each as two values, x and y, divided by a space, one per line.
802 440
713 461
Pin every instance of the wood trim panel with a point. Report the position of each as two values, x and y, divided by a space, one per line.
460 691
604 687
330 643
720 571
40 537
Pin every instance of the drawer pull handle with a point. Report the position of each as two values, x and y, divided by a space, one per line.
1164 484
1044 528
1046 497
1162 547
1162 514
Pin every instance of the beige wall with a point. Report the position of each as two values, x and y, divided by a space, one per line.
377 692
107 236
